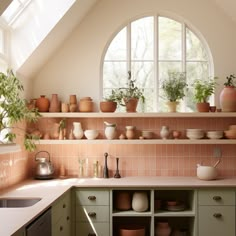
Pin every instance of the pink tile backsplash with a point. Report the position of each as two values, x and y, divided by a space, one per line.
135 160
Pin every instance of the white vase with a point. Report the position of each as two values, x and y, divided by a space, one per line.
77 130
164 133
110 131
140 201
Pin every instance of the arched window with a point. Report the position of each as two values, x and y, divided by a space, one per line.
149 47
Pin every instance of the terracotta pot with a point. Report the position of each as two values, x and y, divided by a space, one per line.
131 104
203 106
85 106
55 105
123 200
73 99
132 230
42 104
108 106
163 229
130 132
228 99
172 106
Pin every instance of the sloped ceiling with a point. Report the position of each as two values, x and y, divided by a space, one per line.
228 6
3 5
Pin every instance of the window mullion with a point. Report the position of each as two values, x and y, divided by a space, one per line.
156 59
129 47
184 47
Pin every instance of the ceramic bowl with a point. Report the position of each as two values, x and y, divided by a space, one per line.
232 127
132 230
206 172
230 134
147 134
214 134
91 134
194 133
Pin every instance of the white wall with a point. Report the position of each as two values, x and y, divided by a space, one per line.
75 68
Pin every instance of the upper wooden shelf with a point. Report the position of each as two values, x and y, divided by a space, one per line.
139 115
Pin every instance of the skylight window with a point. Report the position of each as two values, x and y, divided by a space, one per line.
14 10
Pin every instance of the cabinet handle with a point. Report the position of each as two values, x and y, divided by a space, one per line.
64 205
91 234
217 215
67 218
61 228
92 198
92 214
217 198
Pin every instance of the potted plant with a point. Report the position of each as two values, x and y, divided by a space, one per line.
203 89
174 88
109 104
129 96
228 95
14 110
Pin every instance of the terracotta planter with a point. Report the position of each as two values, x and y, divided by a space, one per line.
228 99
203 106
132 230
172 106
42 104
108 106
123 200
55 105
131 104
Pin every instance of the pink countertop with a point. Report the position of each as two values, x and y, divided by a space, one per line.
13 219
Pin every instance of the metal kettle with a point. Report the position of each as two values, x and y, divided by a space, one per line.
44 167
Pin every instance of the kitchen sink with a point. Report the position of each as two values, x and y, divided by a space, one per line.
18 202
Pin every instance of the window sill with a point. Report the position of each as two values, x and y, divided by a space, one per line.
9 148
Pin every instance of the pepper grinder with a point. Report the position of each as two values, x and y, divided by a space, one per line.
105 169
117 174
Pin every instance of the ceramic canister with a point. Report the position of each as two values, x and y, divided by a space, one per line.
140 201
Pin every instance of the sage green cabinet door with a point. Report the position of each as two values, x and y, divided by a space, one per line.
216 221
62 228
20 232
95 229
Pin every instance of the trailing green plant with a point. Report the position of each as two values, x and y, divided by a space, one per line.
230 81
123 94
174 86
13 109
203 89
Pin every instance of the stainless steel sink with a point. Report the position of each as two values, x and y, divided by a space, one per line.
18 202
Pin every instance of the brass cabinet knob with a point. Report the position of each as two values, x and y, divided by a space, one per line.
217 215
217 198
92 214
92 198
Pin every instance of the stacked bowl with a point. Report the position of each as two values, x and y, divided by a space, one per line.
231 132
194 133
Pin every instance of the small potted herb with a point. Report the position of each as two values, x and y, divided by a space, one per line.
203 89
129 96
174 88
109 104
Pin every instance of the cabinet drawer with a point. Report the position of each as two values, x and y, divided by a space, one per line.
92 213
61 208
216 197
216 220
92 197
62 228
97 229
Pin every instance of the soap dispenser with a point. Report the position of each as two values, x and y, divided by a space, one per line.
105 169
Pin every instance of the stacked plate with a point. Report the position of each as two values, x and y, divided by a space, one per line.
194 133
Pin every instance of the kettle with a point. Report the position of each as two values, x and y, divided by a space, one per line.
44 167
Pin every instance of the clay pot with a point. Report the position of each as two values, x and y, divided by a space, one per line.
108 106
123 200
86 104
131 104
73 99
203 106
130 132
55 105
228 99
64 107
132 230
42 104
163 229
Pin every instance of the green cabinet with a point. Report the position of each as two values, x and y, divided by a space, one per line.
92 208
20 232
216 212
61 216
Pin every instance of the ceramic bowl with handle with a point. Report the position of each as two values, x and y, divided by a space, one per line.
206 172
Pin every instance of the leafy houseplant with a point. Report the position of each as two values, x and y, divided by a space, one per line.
109 104
128 96
230 81
174 88
13 109
203 89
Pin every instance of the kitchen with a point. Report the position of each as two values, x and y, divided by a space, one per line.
65 70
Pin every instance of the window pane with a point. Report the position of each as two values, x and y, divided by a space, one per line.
114 74
117 49
142 34
195 49
170 46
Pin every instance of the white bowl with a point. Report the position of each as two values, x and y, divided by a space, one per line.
215 134
206 172
91 134
195 136
194 130
147 134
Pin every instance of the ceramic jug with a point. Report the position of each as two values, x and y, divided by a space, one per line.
77 130
110 130
164 133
